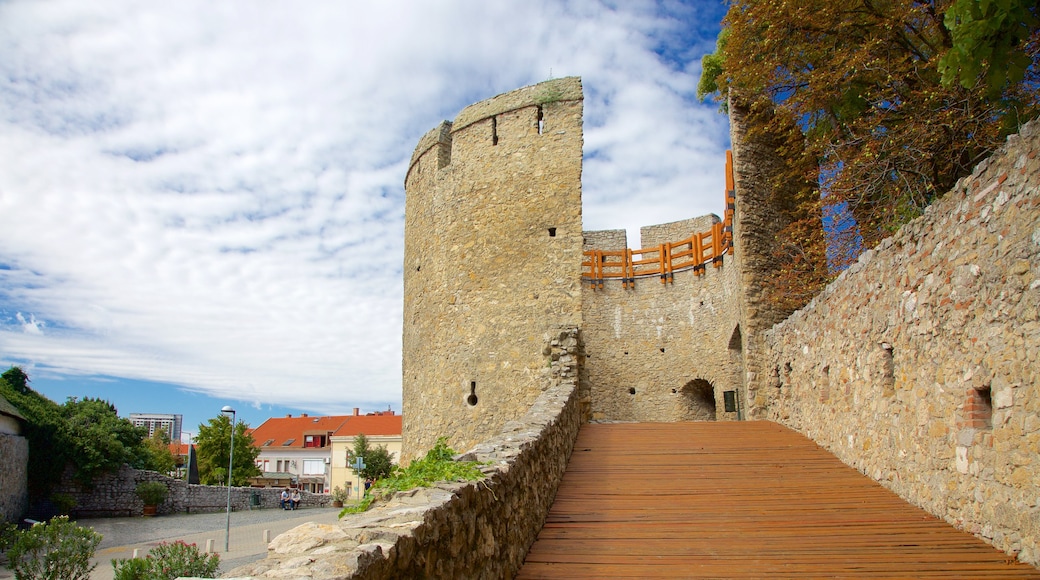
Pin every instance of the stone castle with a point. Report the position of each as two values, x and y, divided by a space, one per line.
918 366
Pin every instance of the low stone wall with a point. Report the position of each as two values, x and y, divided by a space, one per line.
458 530
113 495
14 461
920 365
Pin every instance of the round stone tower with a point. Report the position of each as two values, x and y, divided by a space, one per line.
492 261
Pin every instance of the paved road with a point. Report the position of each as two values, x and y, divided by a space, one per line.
122 535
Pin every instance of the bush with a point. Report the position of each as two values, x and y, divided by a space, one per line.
340 494
56 550
152 492
166 562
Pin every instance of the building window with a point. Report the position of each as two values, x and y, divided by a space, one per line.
314 467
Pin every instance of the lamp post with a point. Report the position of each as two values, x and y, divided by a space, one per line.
227 410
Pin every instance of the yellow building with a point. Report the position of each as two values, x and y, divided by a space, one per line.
381 428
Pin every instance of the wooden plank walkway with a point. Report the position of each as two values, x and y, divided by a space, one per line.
739 500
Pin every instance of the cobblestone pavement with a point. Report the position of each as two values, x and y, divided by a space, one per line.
120 536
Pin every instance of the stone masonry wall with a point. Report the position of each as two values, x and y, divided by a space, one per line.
492 261
113 495
920 364
454 530
756 222
661 352
14 477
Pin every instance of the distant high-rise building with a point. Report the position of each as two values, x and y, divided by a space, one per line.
159 421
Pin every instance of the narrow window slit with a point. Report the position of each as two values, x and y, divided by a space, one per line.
472 398
541 121
552 232
494 130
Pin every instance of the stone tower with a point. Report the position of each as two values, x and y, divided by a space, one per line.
492 261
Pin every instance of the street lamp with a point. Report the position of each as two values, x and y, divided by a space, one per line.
227 410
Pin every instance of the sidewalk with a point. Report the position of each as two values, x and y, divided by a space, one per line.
120 536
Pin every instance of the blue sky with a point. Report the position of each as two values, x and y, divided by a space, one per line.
202 203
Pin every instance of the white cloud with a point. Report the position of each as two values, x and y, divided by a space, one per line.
211 194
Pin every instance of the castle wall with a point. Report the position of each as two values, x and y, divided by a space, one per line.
14 476
660 352
920 364
756 222
492 261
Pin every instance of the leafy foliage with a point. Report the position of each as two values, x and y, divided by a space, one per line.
85 433
157 454
56 550
861 81
166 562
98 439
437 465
212 447
994 41
378 462
152 492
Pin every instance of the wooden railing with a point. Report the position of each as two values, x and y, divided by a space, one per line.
664 260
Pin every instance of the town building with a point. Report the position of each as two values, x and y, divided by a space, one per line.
310 452
382 428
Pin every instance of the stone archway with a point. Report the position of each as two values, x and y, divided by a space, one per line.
697 401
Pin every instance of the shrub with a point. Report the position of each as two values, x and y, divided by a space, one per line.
166 562
340 494
56 550
65 503
152 492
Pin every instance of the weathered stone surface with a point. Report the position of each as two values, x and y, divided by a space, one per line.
492 262
114 495
14 477
454 530
662 352
920 365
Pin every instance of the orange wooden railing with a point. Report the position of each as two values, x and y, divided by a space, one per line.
664 260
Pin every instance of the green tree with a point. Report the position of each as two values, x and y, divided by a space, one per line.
995 41
212 448
98 439
158 456
378 462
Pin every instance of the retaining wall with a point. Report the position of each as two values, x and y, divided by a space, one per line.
920 364
113 495
459 530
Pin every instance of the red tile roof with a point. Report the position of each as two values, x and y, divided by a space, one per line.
374 424
277 431
290 431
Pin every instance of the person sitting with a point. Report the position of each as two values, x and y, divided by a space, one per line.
296 498
285 499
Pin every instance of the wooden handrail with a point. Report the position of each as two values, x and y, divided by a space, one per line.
663 261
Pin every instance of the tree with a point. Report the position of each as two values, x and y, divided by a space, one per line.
378 462
861 80
212 448
994 42
158 456
98 439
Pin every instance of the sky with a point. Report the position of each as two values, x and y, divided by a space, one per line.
202 203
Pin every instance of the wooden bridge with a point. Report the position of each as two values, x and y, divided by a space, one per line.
739 500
